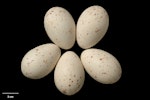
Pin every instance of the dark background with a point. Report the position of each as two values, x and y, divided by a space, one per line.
22 29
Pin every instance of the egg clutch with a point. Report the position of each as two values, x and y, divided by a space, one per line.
69 68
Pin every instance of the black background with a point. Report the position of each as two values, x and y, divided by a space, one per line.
22 29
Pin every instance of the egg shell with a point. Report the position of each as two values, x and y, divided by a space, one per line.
69 74
92 25
101 65
60 27
40 61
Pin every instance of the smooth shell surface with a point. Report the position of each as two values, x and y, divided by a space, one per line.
60 27
40 61
92 25
101 65
69 74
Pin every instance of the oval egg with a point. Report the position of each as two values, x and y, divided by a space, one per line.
69 74
92 25
101 65
60 27
40 61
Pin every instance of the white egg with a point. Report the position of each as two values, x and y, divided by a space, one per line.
40 61
60 27
101 65
92 25
69 74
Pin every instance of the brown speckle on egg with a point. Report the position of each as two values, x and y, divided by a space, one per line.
40 65
70 30
74 75
64 80
28 73
91 71
43 55
64 91
45 61
94 8
61 11
37 49
97 30
51 12
80 77
101 59
104 73
78 85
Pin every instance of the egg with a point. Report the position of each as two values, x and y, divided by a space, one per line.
92 25
101 65
69 74
40 61
60 27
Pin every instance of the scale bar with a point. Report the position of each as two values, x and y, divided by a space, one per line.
10 92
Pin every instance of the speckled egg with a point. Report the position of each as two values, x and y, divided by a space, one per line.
60 27
40 61
92 25
69 74
101 65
